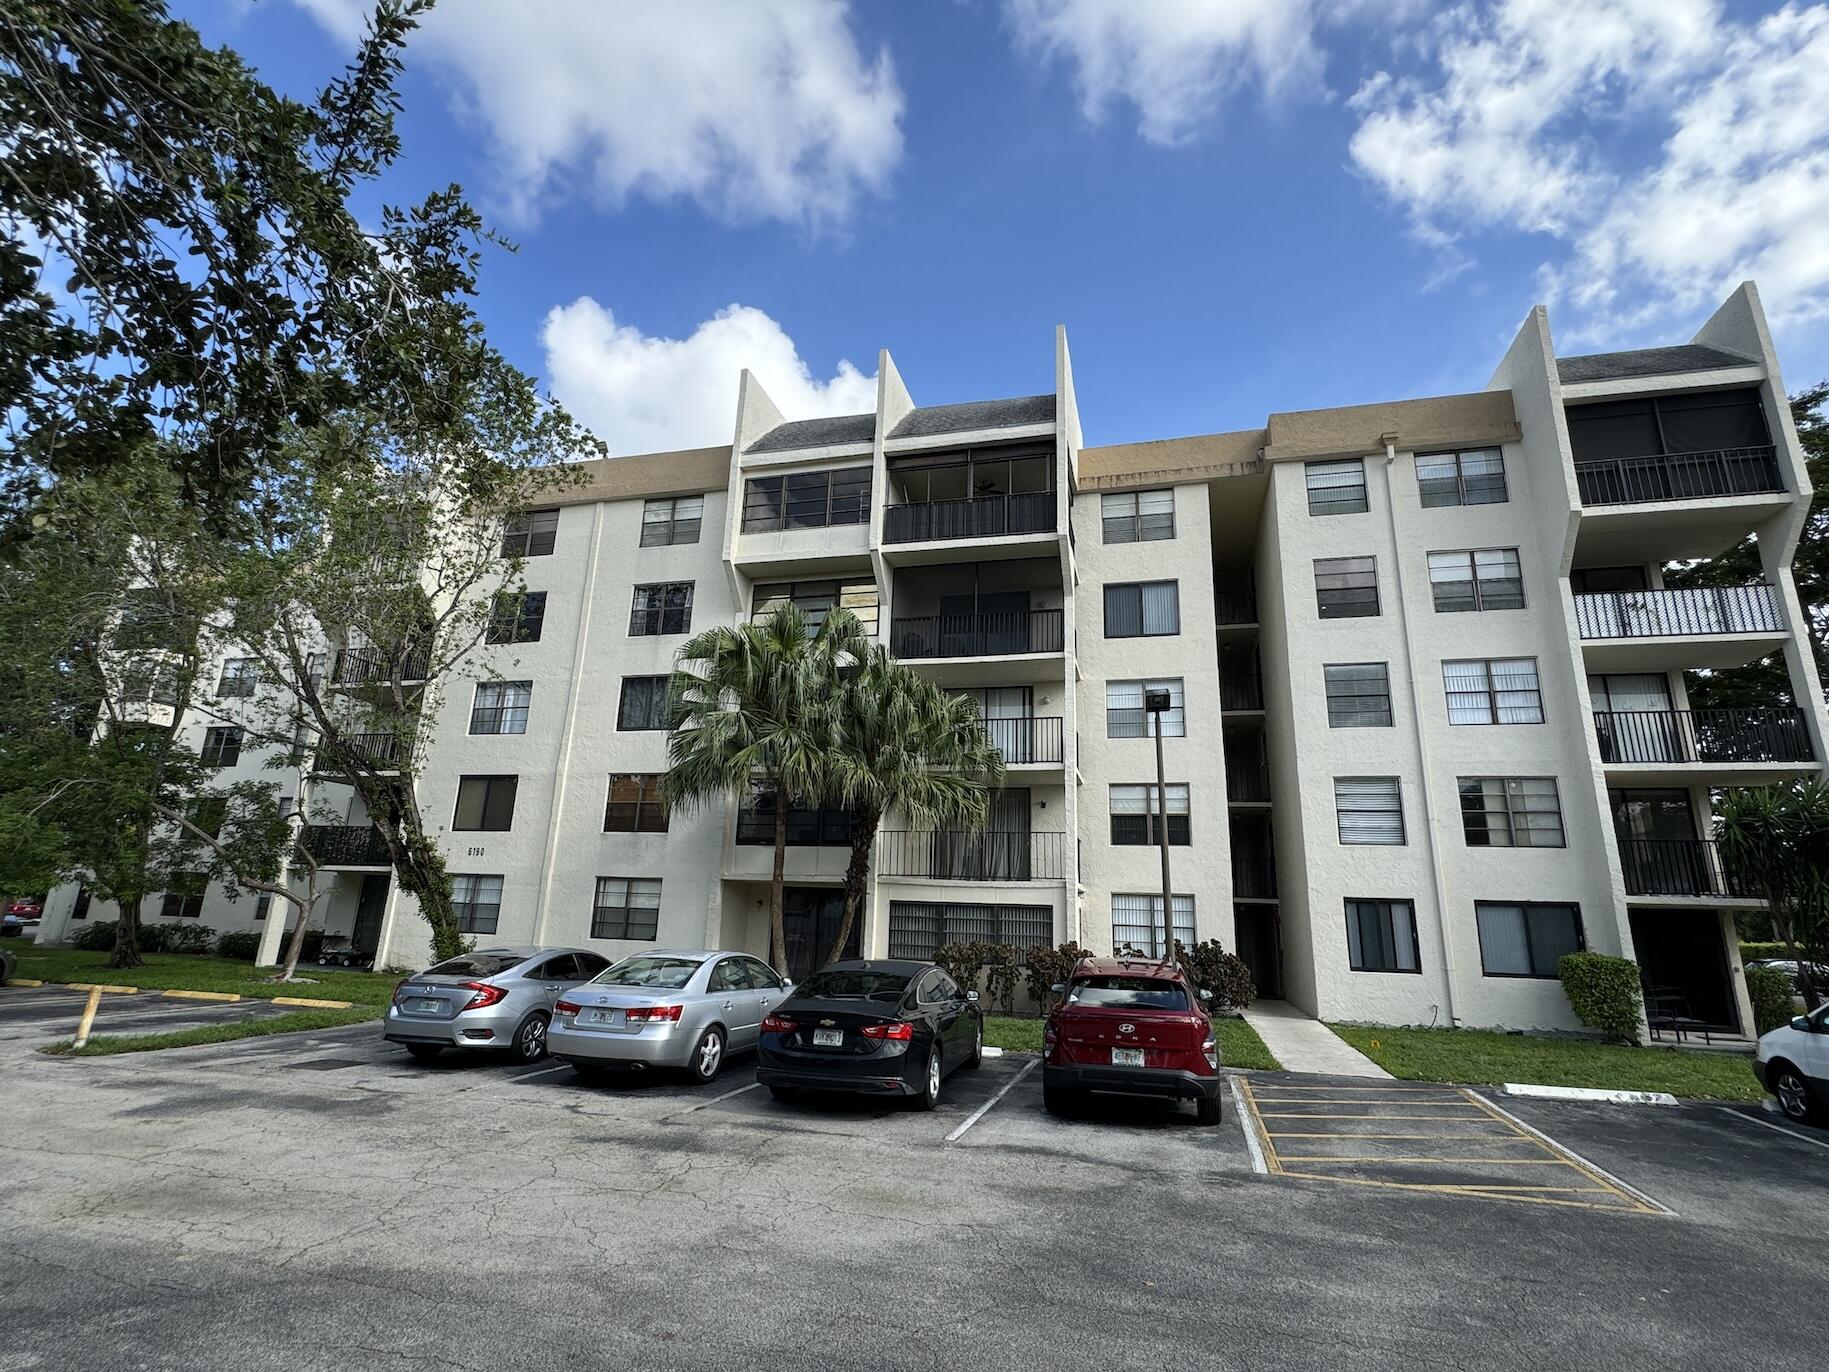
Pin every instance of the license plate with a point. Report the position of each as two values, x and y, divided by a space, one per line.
600 1016
429 1007
1127 1057
828 1038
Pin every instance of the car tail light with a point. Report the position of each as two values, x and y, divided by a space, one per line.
654 1014
566 1007
1211 1049
399 992
775 1024
899 1032
486 995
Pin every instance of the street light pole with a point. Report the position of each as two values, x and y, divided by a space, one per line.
1155 705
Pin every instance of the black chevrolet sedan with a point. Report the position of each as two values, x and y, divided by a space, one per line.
883 1028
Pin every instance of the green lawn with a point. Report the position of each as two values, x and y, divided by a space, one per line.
188 972
1479 1057
1239 1045
103 1045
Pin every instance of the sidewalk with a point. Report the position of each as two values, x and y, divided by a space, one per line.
1302 1044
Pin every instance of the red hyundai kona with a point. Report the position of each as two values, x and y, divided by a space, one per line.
1130 1028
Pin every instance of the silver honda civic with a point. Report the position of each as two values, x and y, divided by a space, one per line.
674 1007
494 998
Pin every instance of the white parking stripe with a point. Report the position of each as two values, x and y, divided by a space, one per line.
1767 1124
984 1109
1243 1117
541 1072
715 1099
1563 1148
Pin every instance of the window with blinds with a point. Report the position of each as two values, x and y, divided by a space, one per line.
1136 922
1125 716
1511 812
1134 814
1474 477
1526 939
634 805
643 704
1138 516
476 901
1358 695
919 929
1346 587
1381 936
1335 487
626 907
817 599
1369 810
1142 609
1476 579
672 519
500 707
1493 691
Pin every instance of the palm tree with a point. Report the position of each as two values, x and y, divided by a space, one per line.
1777 837
758 704
905 745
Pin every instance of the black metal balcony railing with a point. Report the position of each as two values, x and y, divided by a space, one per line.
1032 738
1241 693
358 667
346 845
1678 476
806 828
982 635
383 752
1772 734
1247 781
986 516
1679 867
1697 610
1253 879
1235 607
993 855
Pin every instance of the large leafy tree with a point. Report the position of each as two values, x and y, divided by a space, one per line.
1778 838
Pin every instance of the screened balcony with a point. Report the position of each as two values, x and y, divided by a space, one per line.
978 610
346 845
990 492
1677 446
992 855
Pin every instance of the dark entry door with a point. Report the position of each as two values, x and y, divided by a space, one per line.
1260 947
1683 965
810 916
366 937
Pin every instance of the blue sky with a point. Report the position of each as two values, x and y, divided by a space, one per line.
1235 206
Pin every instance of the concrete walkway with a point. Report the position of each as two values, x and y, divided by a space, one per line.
1302 1044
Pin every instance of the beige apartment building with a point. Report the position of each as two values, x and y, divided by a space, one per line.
1429 725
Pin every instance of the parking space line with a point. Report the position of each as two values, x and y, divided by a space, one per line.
540 1072
1310 1115
1272 1162
714 1100
1767 1124
1439 1162
1630 1193
985 1109
1458 1138
1246 1127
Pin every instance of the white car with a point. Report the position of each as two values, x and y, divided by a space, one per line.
1792 1062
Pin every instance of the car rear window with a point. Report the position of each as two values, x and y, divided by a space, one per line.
668 974
476 965
883 986
1128 993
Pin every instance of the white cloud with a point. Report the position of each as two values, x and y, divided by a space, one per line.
1174 60
645 394
754 109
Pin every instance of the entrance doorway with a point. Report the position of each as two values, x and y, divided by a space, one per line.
371 904
1260 944
1683 964
810 916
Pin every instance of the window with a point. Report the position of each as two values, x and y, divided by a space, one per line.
807 826
209 813
1335 487
222 746
1142 609
816 599
1346 587
1494 691
80 910
1133 814
517 617
1136 922
261 906
1482 579
1511 812
1474 477
145 679
1125 716
671 519
634 805
240 677
184 897
1138 516
662 608
477 903
1526 939
1381 936
500 707
626 907
644 703
806 500
919 929
531 535
1358 695
1369 810
485 803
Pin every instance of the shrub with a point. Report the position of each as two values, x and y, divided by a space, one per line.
1043 967
187 938
96 937
1000 974
1604 993
243 945
1757 952
1770 991
1211 968
962 962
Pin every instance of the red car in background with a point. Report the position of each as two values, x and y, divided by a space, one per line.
1130 1027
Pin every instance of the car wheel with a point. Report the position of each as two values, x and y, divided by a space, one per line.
425 1052
787 1095
1058 1102
930 1085
707 1055
1793 1094
977 1055
1206 1109
530 1038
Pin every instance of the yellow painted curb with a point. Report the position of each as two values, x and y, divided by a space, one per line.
199 995
91 986
24 981
314 1004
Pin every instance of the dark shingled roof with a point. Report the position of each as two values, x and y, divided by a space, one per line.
817 433
1689 357
976 414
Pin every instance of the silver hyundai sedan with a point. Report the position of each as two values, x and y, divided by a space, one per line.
494 998
673 1007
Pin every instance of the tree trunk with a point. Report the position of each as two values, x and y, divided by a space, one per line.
1787 930
857 876
777 925
296 944
127 936
420 869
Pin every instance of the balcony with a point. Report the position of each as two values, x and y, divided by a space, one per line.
381 752
1737 747
1234 607
979 635
1253 878
1679 476
365 667
1647 631
1030 740
993 855
1247 783
346 845
1666 867
1671 506
1238 693
994 516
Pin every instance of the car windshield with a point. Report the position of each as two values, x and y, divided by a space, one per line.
857 985
668 974
476 965
1128 993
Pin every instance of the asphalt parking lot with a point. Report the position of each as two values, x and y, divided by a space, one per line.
41 1014
325 1200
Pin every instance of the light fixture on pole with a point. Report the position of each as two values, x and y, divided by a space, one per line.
1155 705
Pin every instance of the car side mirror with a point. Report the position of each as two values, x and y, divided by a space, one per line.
1205 994
1058 989
1801 1023
971 995
786 985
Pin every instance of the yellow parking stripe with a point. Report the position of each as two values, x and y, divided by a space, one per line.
1508 1162
1458 1138
1309 1115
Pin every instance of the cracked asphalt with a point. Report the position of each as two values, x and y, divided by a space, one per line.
325 1202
